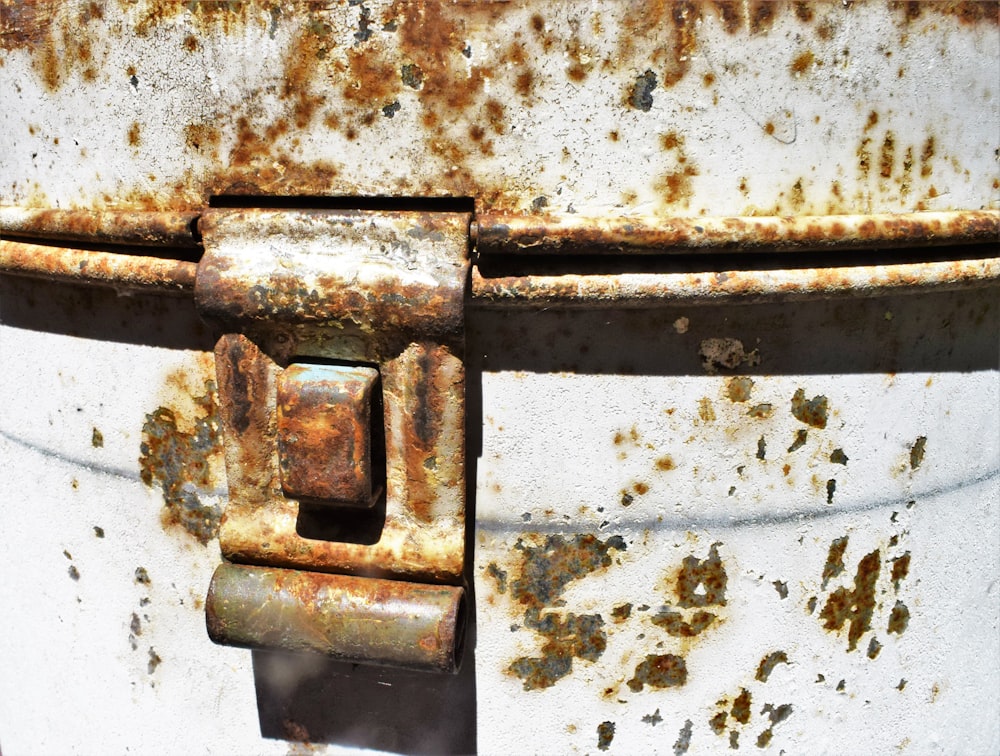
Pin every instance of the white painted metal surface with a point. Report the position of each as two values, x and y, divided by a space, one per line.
645 498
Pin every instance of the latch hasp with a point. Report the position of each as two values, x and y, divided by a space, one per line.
384 288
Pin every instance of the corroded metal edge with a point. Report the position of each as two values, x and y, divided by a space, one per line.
361 620
645 289
159 229
386 276
121 271
570 234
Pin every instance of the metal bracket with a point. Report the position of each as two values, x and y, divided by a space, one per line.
374 290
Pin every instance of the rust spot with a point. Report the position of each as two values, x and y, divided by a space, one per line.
718 722
761 448
671 141
665 463
809 411
154 661
834 560
674 623
768 663
760 411
605 734
800 439
887 157
831 487
191 43
899 618
864 158
621 612
702 582
578 636
96 438
640 488
741 707
838 457
874 647
548 568
917 452
705 410
872 121
181 453
134 138
801 63
142 576
708 79
641 95
926 155
769 128
729 12
738 388
683 741
725 353
412 76
900 569
659 671
499 575
776 715
762 13
855 606
524 82
803 10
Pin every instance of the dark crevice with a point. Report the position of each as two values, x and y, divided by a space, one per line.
386 204
497 266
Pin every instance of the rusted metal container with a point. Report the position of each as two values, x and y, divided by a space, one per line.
664 333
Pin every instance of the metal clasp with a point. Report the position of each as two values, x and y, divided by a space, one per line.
340 374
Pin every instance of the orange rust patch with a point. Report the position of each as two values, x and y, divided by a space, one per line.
181 451
926 155
705 410
887 157
738 388
762 14
801 63
544 572
702 582
665 463
900 569
659 671
674 623
768 663
854 607
810 411
134 137
899 618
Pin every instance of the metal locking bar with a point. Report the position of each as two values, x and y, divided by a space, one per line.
321 308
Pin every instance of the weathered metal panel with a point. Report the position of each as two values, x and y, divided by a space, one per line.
642 108
764 526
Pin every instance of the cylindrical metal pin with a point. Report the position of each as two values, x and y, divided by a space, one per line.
357 619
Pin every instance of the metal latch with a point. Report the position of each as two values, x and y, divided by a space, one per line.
342 392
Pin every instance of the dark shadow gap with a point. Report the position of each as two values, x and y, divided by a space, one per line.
496 266
187 253
307 202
